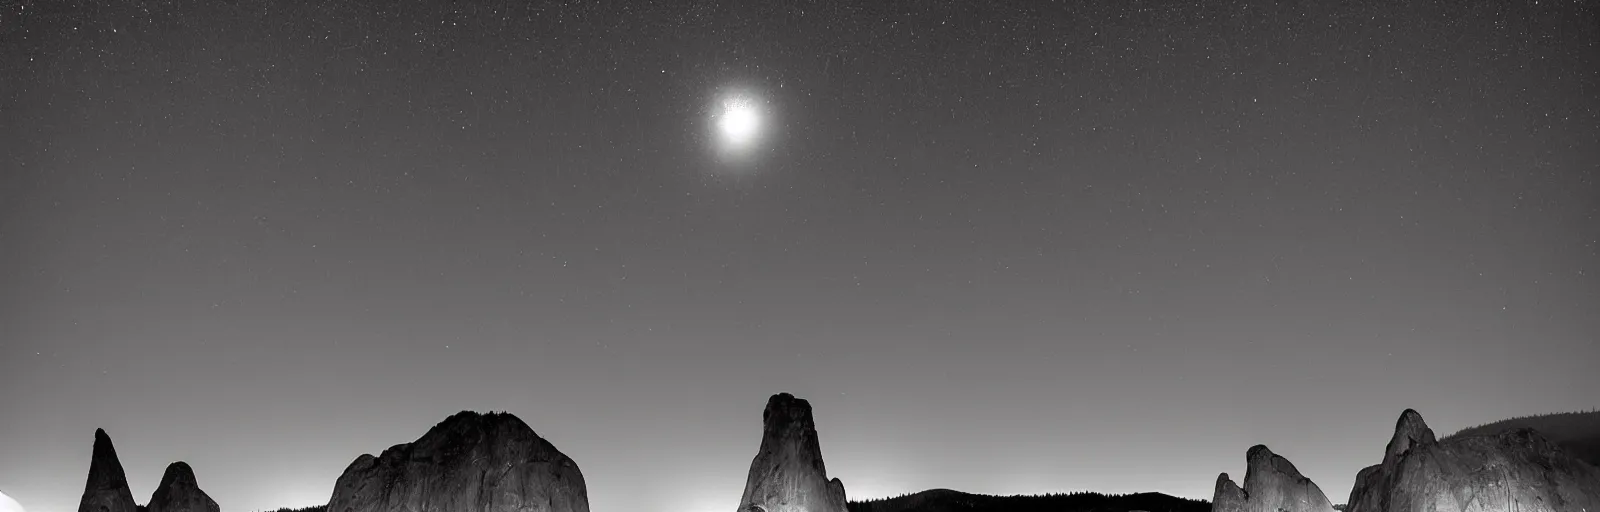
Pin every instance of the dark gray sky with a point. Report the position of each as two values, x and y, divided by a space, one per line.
1001 249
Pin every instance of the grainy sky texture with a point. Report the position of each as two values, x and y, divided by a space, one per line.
1011 248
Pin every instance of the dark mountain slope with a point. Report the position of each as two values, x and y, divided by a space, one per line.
1577 432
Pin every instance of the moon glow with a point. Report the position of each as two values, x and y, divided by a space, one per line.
739 121
738 125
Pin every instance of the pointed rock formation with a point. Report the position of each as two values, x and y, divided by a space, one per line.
1508 471
1409 431
470 461
787 475
1228 496
1271 484
179 492
107 487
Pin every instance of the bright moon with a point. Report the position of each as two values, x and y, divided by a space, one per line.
739 121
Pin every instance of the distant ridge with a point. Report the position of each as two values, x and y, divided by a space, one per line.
1577 432
313 508
947 500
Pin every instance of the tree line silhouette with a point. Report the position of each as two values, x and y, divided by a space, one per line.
945 500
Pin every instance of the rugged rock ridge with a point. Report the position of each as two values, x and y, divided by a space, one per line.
179 492
1515 470
470 461
787 474
107 486
1271 484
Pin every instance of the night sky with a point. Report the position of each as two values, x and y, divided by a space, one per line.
1099 246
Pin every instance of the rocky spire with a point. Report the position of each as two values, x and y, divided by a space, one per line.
1228 497
787 474
107 487
1409 432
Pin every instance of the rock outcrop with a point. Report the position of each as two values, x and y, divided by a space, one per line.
1508 471
1271 484
9 505
1228 496
107 487
179 492
470 461
1409 431
788 475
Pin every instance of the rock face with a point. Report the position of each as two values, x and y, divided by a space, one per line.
1271 484
787 475
1508 471
470 461
1228 496
179 492
9 505
107 488
1409 431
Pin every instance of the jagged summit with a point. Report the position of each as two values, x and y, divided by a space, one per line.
1259 456
1410 431
482 417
